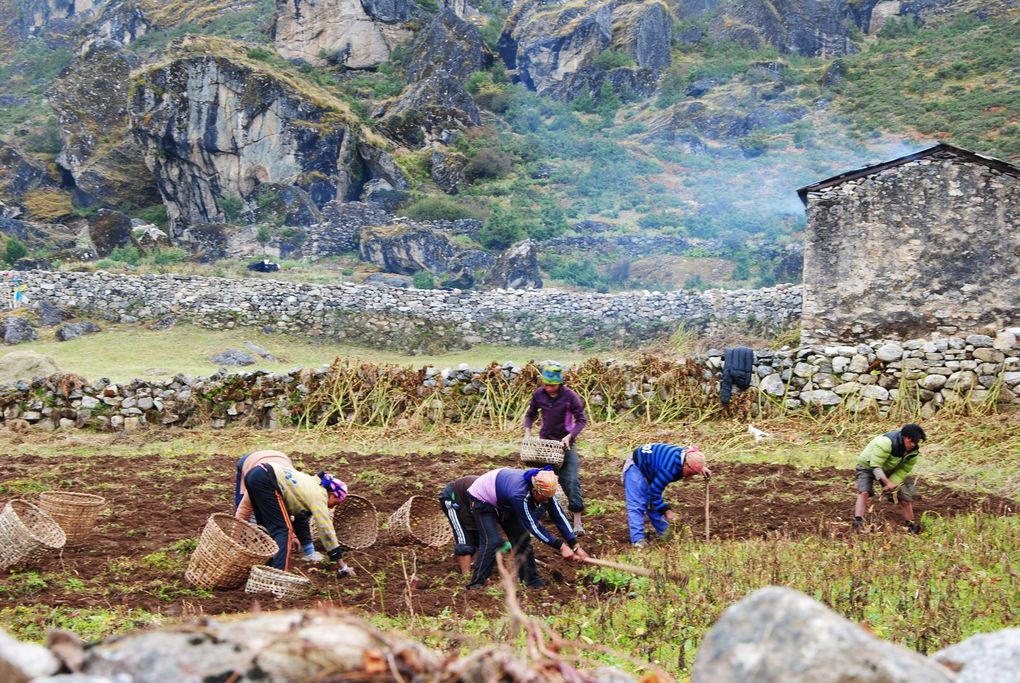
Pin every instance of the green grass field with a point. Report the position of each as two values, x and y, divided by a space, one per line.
125 352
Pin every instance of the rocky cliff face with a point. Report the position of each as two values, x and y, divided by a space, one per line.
214 129
814 28
356 33
122 23
52 18
92 103
548 43
448 45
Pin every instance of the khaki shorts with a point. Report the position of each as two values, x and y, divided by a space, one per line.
906 492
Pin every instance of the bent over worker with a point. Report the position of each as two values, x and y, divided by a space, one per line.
454 503
889 459
646 474
506 498
276 492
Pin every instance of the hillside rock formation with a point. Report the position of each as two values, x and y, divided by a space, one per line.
407 249
356 33
431 110
516 268
122 23
52 20
93 104
547 43
448 45
214 129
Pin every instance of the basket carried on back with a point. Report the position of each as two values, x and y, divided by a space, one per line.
422 520
542 452
76 513
227 550
282 584
27 534
356 523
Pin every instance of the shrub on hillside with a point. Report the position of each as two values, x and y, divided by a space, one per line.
612 59
488 163
438 209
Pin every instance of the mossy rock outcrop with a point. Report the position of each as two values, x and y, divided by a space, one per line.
93 103
549 43
215 128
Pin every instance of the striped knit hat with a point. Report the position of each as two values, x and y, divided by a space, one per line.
333 485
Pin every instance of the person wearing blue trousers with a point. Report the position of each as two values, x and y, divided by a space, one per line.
646 474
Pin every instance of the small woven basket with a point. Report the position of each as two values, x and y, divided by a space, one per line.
227 550
76 513
282 584
356 523
542 452
27 534
421 520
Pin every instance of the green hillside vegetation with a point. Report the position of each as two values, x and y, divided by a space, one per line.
955 81
767 124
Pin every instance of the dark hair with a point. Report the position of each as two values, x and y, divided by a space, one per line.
913 432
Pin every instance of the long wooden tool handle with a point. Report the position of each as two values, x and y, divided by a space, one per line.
707 528
630 568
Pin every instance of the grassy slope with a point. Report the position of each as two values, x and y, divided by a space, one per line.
124 352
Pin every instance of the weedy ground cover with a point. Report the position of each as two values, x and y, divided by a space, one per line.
781 509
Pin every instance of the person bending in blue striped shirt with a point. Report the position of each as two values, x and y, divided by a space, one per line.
646 474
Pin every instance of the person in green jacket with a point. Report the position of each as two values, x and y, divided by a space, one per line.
889 459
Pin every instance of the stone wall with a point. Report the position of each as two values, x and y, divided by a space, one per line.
920 376
925 246
418 320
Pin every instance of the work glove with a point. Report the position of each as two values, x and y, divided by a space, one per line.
336 553
343 571
314 556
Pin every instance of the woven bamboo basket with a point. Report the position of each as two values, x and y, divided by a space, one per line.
282 584
356 523
420 519
542 452
227 550
27 534
76 513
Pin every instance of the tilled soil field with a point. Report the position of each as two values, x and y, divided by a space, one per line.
158 506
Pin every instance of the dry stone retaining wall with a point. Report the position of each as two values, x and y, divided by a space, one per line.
868 378
418 320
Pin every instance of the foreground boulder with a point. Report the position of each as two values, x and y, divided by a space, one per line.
280 130
778 635
984 658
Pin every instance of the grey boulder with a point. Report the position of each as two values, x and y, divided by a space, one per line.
71 331
778 635
233 358
985 658
17 330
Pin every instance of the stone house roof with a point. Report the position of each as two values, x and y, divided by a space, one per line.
940 148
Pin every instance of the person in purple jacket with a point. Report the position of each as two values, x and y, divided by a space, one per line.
562 420
506 498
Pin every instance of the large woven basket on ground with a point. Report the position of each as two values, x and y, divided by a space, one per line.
263 579
420 519
356 523
541 452
76 513
27 534
227 550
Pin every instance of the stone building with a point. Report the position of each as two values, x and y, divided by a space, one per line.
928 242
